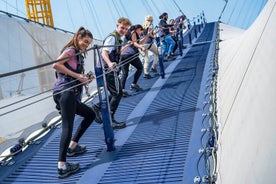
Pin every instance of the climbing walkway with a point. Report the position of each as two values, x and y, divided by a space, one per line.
157 143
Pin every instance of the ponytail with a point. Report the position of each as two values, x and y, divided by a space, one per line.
74 42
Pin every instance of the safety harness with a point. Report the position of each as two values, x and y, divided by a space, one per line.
66 82
114 55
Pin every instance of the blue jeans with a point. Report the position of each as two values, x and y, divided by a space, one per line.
167 45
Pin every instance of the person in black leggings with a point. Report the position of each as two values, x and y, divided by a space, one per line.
67 94
131 56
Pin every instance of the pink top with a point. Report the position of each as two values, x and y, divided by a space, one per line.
73 60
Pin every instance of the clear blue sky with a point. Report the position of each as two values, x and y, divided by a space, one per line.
100 16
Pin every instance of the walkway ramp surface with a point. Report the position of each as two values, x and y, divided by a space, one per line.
154 146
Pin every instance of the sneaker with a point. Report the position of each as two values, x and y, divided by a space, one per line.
70 169
77 150
98 118
135 87
147 76
118 125
125 93
170 57
153 70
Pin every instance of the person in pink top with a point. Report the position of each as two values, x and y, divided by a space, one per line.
67 93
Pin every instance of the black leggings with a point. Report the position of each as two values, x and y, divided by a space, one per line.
69 106
136 62
115 91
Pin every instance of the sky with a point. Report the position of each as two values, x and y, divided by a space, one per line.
100 16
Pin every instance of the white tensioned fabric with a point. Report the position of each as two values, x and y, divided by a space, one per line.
247 102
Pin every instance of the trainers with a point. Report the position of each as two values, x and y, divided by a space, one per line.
170 57
173 56
77 150
118 125
125 93
135 87
98 118
153 70
147 76
70 169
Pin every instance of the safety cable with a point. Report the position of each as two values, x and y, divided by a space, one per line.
33 138
38 66
43 65
54 61
108 71
41 99
57 60
50 126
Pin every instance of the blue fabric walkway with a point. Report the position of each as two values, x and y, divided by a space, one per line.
154 146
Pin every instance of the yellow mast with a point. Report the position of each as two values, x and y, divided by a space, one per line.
40 11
